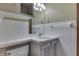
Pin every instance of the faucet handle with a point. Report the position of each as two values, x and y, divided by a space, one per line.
40 34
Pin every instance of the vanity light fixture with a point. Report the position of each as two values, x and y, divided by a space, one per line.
39 6
43 6
36 8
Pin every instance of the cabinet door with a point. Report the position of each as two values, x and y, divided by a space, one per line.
21 51
2 51
35 49
46 49
77 29
53 48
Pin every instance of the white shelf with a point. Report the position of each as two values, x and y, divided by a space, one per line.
5 14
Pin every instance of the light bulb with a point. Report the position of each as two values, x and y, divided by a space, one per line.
38 4
34 4
43 7
40 9
36 8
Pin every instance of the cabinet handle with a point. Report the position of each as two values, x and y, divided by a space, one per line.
8 54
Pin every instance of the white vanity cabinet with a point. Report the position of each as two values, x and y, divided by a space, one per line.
2 51
44 49
21 51
54 48
16 50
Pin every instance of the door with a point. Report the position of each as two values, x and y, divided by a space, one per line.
77 29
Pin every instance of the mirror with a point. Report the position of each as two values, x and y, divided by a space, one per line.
39 14
54 12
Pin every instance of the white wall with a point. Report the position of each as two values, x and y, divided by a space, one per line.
11 7
12 29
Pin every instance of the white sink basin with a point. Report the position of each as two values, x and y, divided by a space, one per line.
44 38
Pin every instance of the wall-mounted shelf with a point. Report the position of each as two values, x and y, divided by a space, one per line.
15 16
4 15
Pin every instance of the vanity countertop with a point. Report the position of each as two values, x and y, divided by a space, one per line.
13 42
40 40
30 38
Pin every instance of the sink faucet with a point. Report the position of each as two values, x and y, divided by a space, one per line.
39 34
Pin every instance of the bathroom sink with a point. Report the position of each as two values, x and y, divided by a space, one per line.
44 38
39 37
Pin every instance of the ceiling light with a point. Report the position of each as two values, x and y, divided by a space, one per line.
39 6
